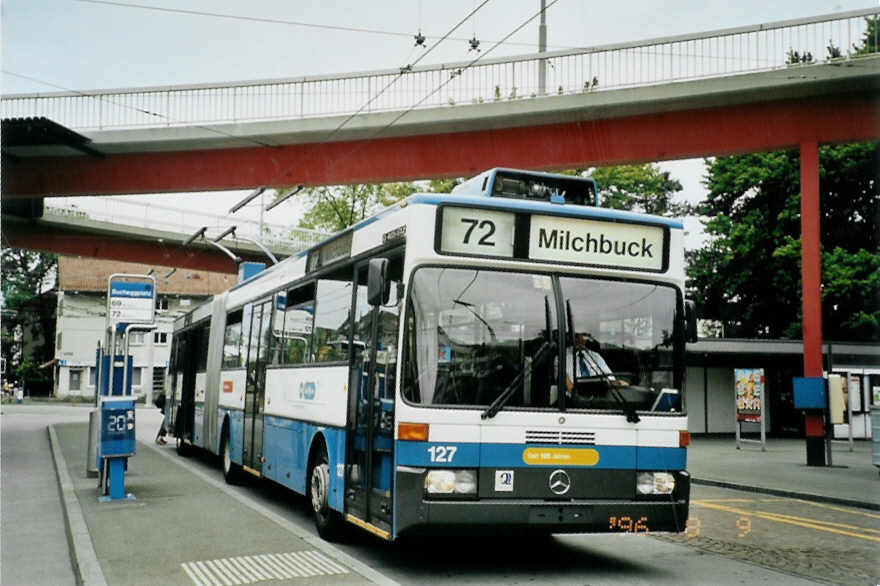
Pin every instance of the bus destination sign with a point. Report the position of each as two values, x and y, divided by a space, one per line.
632 246
481 232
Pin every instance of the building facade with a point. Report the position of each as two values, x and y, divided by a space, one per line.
81 320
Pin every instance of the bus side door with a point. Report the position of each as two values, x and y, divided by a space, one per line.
370 458
256 324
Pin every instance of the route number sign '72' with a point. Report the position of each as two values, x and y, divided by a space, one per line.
477 232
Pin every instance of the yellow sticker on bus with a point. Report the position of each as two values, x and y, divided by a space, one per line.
560 457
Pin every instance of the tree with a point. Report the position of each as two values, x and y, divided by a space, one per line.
26 277
747 275
640 188
334 208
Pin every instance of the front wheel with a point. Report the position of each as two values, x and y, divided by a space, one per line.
327 521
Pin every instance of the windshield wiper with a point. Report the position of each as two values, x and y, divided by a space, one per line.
470 307
628 409
505 395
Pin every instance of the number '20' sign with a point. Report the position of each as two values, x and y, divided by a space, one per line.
476 231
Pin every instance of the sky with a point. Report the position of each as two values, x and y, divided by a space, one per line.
55 45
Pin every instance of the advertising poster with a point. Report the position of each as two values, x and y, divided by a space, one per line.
748 386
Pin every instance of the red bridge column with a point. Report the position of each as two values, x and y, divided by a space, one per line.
811 296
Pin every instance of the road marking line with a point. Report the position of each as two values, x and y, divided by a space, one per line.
261 567
190 571
214 568
698 501
328 563
267 567
828 523
256 571
806 523
232 571
840 509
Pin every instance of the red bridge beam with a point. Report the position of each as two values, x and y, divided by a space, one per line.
36 237
652 137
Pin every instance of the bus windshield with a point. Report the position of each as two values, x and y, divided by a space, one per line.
471 333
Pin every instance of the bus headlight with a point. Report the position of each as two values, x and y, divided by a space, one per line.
655 483
440 482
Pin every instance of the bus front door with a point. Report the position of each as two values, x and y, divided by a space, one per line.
256 328
370 466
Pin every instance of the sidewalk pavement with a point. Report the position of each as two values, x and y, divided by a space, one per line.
184 527
782 470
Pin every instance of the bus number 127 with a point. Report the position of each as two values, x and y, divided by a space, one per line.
442 453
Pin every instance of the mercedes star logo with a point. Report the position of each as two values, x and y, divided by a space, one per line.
560 482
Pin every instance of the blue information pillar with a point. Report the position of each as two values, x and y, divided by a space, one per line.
116 444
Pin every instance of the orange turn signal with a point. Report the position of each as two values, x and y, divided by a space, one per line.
414 432
684 438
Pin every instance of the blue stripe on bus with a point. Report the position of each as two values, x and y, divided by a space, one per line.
472 455
652 458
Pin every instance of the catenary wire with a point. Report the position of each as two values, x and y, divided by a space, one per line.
266 20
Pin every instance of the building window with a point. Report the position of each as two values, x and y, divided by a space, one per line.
75 379
161 303
136 338
160 338
136 376
92 373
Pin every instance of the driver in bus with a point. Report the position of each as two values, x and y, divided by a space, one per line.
587 361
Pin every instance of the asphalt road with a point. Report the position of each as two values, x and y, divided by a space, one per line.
734 537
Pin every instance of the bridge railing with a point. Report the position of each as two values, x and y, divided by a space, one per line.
119 211
655 61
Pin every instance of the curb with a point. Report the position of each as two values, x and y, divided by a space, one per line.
83 558
806 496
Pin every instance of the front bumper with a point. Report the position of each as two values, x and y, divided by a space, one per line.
415 514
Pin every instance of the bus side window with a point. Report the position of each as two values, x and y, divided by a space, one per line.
332 311
292 331
232 341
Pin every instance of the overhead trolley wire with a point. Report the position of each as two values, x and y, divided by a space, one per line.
266 20
455 73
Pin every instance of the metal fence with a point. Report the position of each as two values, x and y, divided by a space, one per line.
656 61
119 211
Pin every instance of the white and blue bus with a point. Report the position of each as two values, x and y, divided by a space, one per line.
509 355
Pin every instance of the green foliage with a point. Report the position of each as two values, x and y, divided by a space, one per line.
24 276
442 185
747 275
870 38
641 188
334 208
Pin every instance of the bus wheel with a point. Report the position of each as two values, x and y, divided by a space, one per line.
231 470
327 521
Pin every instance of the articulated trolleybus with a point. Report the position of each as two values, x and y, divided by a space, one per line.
508 356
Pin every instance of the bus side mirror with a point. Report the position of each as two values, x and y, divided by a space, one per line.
378 290
690 317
